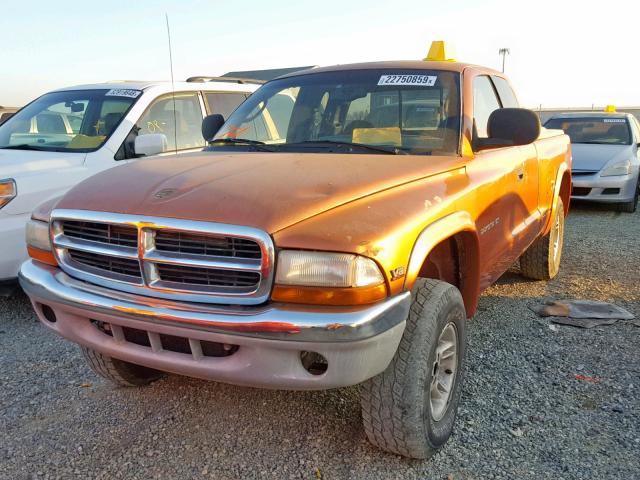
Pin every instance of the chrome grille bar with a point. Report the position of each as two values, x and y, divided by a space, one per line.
171 258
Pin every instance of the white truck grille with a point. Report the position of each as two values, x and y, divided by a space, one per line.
165 258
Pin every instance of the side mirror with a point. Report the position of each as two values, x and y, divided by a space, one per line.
510 127
210 126
150 144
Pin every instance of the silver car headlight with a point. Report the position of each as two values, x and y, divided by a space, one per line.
617 169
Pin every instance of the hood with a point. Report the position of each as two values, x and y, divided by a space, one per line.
269 191
591 157
21 163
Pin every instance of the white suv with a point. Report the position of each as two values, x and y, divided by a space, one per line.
70 134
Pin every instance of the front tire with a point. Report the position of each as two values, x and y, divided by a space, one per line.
630 207
120 372
541 261
410 408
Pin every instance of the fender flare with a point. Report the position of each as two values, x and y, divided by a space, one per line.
430 237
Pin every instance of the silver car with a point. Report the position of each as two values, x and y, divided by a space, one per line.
606 158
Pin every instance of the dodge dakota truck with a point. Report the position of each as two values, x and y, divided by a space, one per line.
338 230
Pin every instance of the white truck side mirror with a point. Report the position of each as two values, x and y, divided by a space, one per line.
150 144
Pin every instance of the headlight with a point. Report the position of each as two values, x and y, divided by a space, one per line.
8 191
318 269
39 242
617 169
327 278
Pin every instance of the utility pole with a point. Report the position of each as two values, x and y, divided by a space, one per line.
504 52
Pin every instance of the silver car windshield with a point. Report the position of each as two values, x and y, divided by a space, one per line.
594 130
72 121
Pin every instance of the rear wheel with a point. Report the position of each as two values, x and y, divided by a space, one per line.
410 408
119 372
541 261
630 207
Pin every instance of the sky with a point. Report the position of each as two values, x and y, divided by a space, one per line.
563 52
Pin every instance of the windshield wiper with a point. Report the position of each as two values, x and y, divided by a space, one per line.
387 150
243 141
27 146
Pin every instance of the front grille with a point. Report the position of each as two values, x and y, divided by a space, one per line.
101 232
165 258
580 191
207 276
189 243
582 173
123 266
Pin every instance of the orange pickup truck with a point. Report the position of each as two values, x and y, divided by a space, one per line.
338 230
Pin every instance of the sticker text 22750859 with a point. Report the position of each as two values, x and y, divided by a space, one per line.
421 80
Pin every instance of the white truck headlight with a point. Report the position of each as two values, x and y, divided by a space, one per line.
617 169
37 235
326 269
8 191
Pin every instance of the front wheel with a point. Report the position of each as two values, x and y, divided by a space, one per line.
541 261
410 408
630 206
120 372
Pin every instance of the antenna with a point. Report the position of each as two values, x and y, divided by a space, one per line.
173 88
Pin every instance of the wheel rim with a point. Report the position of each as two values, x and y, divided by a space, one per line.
443 371
556 238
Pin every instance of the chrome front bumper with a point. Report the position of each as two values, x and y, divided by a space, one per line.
358 342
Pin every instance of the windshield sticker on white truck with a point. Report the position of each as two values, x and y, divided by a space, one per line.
421 80
123 92
614 120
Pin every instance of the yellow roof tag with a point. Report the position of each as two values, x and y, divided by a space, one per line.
440 52
610 109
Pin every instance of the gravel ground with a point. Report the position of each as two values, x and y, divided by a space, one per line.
524 413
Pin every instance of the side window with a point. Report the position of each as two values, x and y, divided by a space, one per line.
505 91
223 103
484 103
182 127
635 128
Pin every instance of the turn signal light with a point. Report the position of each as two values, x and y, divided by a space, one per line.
328 296
8 191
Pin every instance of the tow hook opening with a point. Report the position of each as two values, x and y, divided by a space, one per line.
313 362
48 313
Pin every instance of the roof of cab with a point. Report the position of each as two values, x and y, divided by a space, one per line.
143 85
397 64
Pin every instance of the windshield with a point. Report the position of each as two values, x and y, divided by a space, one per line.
603 130
69 121
413 111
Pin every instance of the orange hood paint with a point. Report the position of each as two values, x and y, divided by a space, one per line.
270 191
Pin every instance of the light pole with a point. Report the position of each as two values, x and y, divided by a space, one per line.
504 52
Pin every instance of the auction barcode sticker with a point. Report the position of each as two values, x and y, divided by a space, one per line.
123 92
422 80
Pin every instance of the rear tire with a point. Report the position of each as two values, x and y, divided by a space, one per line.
119 372
542 259
410 408
630 207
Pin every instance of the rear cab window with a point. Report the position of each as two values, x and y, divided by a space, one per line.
223 103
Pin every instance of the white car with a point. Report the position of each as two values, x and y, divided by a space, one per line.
70 134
